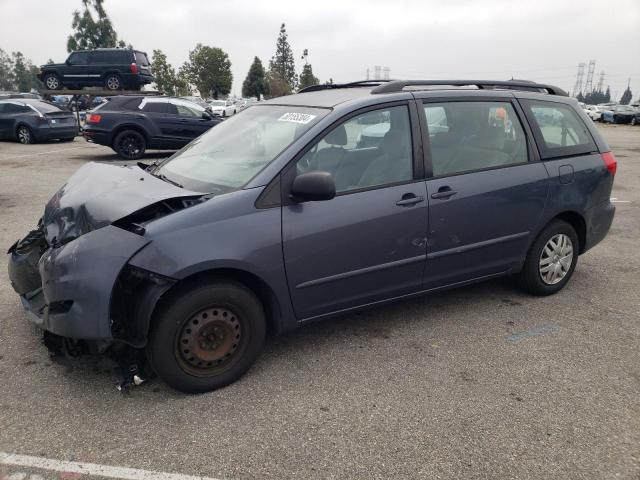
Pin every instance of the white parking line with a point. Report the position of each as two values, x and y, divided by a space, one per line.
10 156
91 469
615 200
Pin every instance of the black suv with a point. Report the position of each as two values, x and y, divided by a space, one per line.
131 124
112 68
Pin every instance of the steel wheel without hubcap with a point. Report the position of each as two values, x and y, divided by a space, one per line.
208 341
556 259
24 135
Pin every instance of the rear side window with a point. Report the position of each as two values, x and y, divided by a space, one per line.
558 129
154 107
141 59
109 57
468 136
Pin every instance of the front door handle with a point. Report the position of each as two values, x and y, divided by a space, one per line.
443 192
409 199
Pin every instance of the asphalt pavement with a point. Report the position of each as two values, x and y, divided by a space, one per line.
478 382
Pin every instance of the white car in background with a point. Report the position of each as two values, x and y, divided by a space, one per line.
223 108
594 112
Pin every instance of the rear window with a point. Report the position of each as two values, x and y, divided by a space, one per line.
46 107
141 59
558 129
109 57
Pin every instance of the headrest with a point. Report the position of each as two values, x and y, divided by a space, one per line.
338 136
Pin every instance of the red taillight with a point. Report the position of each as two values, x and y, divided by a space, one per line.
610 162
94 118
134 68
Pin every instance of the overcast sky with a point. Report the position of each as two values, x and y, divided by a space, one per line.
542 40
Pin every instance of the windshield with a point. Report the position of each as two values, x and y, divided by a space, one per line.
233 152
217 102
625 108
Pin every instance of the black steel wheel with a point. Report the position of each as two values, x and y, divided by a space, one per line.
130 144
206 336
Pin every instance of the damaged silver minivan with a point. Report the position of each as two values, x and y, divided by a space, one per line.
312 205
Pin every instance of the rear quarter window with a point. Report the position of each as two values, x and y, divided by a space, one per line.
558 129
110 58
141 59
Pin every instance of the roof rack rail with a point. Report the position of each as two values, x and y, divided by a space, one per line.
328 86
526 85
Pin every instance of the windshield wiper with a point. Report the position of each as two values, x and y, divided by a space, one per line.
162 176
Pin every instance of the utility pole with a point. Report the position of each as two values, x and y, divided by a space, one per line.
367 73
588 87
577 88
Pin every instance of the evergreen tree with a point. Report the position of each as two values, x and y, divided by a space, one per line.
282 70
307 78
607 96
626 97
255 84
6 71
209 69
90 33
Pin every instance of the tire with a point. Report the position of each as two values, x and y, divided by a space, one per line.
539 257
24 135
130 145
206 337
634 121
52 81
224 113
113 82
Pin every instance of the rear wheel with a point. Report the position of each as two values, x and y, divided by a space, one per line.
52 81
130 145
634 121
113 82
24 135
551 259
207 337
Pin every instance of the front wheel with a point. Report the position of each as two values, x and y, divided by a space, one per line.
634 121
551 260
130 145
52 81
206 337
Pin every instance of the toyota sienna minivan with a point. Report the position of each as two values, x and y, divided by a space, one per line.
302 207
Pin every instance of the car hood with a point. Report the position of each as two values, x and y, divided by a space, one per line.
97 195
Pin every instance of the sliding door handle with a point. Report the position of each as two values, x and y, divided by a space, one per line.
443 193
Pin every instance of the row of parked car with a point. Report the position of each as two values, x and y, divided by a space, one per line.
613 113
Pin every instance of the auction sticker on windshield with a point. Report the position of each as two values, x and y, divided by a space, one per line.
296 117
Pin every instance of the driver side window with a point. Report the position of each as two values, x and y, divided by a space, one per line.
369 150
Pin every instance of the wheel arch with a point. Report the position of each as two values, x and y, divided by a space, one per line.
576 220
253 282
130 126
133 315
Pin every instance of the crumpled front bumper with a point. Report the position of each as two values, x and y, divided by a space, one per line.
75 281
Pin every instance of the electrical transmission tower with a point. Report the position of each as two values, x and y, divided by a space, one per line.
600 81
577 88
588 87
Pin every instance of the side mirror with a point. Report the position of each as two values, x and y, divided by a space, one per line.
206 115
313 186
67 62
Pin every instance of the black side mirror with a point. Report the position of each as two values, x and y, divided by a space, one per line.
206 115
67 62
313 186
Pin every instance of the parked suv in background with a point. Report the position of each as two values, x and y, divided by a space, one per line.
131 124
279 217
111 68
